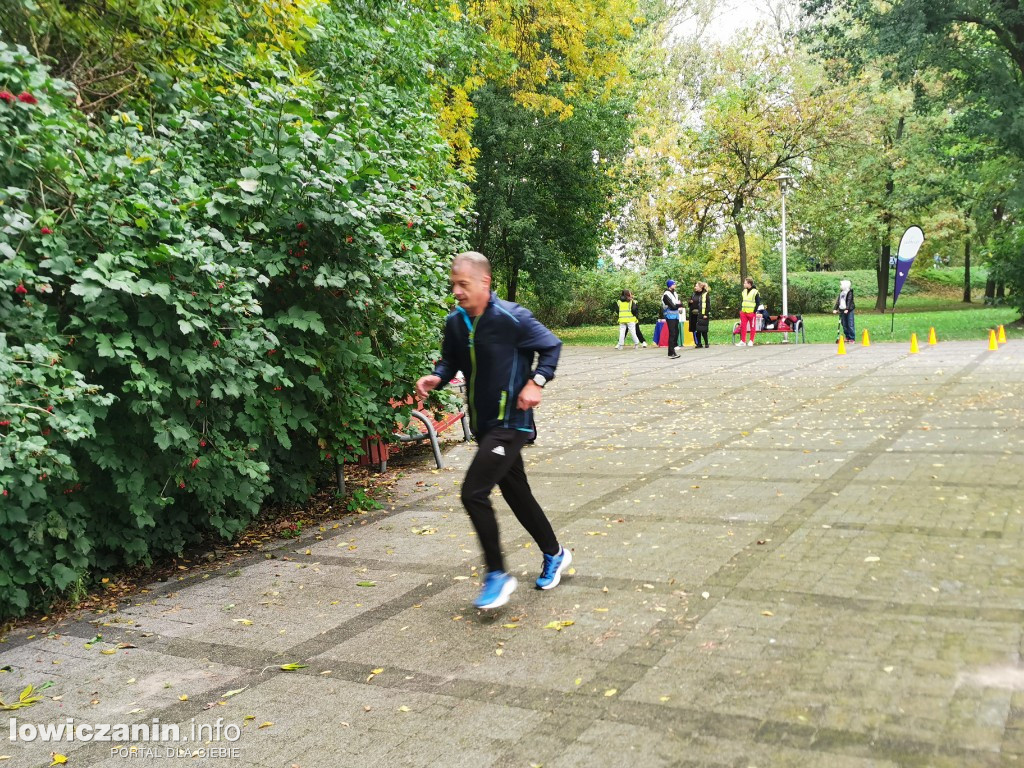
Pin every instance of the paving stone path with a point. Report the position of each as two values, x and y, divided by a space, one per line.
782 558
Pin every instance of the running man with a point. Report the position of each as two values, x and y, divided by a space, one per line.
493 342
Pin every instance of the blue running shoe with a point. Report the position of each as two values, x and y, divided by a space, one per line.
498 585
551 573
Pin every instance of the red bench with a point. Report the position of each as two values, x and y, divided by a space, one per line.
780 324
376 451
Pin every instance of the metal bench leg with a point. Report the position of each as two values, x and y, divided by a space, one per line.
465 427
432 435
340 475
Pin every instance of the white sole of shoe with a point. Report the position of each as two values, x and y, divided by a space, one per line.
566 561
503 596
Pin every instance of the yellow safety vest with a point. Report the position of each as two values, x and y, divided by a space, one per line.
626 312
704 303
749 300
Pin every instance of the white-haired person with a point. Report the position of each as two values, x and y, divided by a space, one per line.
844 308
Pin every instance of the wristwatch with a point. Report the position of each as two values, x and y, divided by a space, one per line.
539 380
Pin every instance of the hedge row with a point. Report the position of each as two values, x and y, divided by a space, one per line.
204 306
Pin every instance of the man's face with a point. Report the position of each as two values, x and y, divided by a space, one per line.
471 287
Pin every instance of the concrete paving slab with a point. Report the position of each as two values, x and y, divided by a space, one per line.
783 557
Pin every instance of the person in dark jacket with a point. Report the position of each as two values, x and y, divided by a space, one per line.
700 315
494 343
844 308
670 308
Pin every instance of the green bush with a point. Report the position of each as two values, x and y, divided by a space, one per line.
953 277
204 303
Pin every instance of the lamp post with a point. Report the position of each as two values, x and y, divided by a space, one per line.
784 185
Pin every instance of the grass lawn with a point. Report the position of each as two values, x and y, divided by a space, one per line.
949 324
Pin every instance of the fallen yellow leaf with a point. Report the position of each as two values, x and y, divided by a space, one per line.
183 697
611 691
558 626
58 759
265 725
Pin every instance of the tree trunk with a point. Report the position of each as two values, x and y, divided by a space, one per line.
512 264
512 284
886 253
1000 291
967 271
990 291
741 235
882 272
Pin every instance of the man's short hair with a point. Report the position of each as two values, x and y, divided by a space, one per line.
478 260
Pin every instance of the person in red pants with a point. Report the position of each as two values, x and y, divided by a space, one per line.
748 313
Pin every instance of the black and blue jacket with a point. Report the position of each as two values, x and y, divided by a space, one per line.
495 351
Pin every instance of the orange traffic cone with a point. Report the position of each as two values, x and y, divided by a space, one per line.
865 339
913 344
1001 336
931 336
841 350
992 343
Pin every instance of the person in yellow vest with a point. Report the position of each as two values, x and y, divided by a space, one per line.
627 320
749 299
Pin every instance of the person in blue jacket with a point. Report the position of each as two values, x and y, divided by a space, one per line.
494 343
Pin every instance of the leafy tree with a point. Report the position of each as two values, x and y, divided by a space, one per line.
974 50
542 185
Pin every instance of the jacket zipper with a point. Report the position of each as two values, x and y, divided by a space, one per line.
472 376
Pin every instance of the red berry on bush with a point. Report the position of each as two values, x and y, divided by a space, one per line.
181 485
216 342
198 403
5 492
300 226
27 98
359 333
220 286
348 239
20 289
408 224
5 423
272 352
45 231
195 463
202 443
7 96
